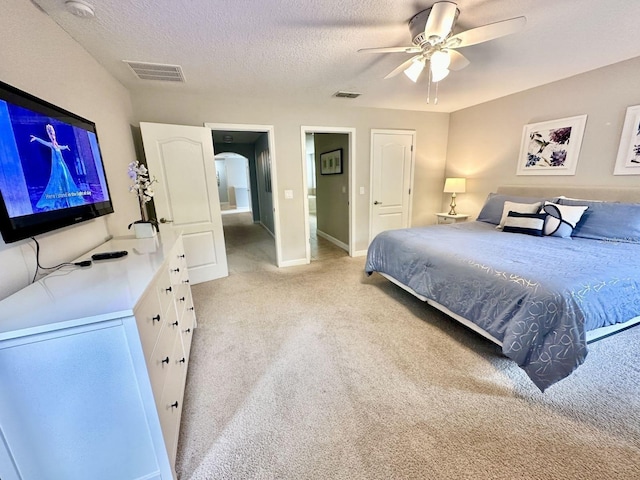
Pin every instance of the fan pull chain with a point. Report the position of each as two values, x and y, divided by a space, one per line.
429 88
435 102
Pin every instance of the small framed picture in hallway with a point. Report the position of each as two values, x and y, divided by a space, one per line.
331 162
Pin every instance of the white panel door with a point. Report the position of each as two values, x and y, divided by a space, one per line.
391 178
186 195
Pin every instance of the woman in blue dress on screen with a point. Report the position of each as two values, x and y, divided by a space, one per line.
61 191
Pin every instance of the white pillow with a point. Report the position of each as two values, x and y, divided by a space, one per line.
562 219
518 208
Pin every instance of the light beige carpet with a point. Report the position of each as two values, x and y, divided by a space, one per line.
319 372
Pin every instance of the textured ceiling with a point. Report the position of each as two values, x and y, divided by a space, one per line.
303 51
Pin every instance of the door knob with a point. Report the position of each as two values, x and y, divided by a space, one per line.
375 203
165 220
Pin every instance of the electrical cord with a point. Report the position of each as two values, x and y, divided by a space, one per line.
84 263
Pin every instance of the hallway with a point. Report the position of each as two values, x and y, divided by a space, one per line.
251 248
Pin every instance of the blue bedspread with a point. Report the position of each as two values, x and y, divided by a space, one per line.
537 295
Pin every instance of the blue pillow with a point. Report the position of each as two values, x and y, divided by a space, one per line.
612 221
492 210
527 223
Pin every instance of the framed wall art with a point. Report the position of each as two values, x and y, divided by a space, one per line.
331 162
551 148
628 160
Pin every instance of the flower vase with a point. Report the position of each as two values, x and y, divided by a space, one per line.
144 229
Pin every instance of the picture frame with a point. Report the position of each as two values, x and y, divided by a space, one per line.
331 162
552 147
628 159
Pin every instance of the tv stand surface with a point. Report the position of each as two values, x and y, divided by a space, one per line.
94 367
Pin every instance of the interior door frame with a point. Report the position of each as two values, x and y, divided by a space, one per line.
411 176
269 130
351 132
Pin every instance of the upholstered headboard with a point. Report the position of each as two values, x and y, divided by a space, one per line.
609 194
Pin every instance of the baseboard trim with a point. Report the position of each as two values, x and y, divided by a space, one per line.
333 240
360 253
267 229
293 263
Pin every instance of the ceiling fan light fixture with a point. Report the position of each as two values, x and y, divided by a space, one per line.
439 74
440 60
415 69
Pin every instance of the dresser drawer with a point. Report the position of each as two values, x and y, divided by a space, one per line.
161 358
164 288
188 324
149 318
170 405
182 296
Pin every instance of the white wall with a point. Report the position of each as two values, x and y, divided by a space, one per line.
40 58
221 171
484 141
431 128
237 171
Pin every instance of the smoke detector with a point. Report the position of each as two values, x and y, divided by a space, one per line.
80 8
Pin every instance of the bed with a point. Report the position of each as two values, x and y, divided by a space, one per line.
541 296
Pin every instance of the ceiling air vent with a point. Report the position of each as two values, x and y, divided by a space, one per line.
156 71
342 94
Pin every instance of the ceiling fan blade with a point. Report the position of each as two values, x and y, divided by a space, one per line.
440 20
458 61
487 32
402 67
410 49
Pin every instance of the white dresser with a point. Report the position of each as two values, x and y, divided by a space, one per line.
93 363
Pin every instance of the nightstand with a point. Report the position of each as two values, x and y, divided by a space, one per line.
446 218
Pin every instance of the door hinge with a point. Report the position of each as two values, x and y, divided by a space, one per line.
409 191
412 148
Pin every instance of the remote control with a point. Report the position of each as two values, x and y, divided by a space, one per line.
108 255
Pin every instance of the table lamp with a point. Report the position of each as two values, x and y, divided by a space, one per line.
453 186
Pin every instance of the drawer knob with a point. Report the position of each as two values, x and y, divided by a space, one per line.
182 360
175 270
168 289
190 308
175 324
181 299
188 330
174 404
181 256
155 319
166 360
185 281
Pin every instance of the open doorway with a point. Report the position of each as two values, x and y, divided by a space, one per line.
234 183
329 187
245 170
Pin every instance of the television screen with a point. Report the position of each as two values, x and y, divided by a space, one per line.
51 170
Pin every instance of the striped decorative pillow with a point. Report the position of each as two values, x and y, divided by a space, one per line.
527 223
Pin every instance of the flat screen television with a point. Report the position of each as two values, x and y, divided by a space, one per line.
51 169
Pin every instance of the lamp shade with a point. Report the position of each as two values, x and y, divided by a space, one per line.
415 69
437 75
440 60
455 185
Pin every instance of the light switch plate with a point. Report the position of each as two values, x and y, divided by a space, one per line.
288 194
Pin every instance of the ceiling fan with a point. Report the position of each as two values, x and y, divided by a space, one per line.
433 42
